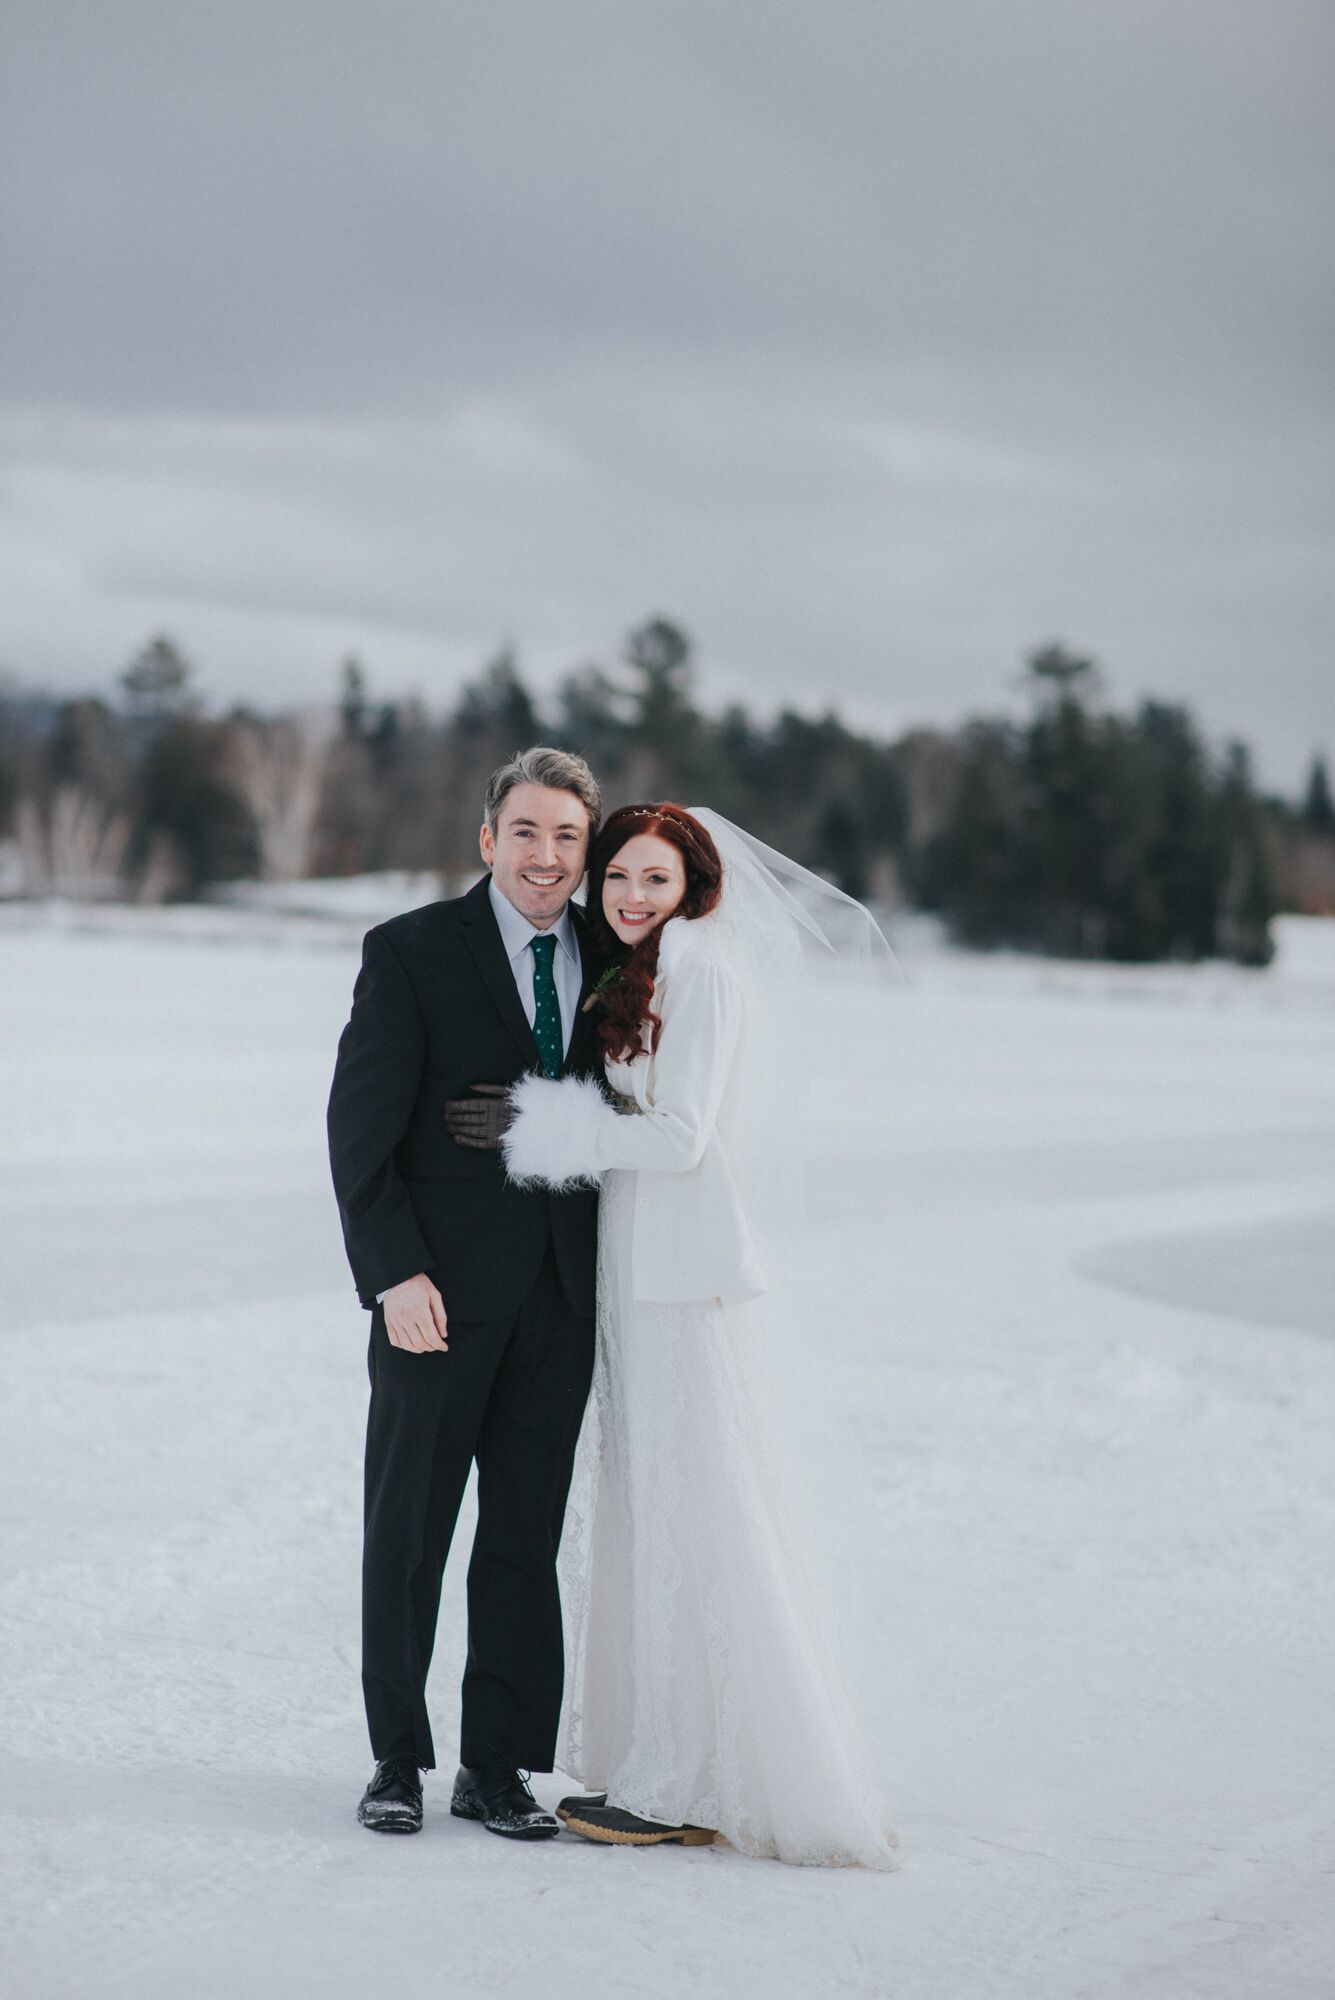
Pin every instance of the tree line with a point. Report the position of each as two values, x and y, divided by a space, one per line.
1078 830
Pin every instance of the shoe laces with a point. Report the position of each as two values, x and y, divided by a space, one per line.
394 1770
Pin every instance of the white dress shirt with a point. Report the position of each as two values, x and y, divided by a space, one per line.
517 935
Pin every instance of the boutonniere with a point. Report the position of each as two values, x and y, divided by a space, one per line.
599 993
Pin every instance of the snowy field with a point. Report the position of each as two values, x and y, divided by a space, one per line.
1087 1215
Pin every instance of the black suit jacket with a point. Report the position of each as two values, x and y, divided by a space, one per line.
435 1009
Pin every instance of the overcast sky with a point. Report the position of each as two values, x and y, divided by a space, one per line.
872 342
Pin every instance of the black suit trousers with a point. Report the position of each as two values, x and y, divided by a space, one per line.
509 1393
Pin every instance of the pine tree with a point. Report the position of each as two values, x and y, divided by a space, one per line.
352 696
156 683
659 654
1318 807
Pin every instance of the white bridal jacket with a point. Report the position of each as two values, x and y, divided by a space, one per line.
677 1130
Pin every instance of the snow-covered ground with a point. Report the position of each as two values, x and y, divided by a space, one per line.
1087 1217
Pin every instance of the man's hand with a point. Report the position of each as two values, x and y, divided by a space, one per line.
478 1120
415 1317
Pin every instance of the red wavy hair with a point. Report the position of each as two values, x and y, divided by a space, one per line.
627 1002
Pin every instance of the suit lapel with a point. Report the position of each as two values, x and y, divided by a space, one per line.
584 1053
483 938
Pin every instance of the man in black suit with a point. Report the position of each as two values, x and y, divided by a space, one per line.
482 1297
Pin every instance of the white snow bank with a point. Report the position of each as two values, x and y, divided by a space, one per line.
364 899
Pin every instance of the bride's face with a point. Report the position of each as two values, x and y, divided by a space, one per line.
644 883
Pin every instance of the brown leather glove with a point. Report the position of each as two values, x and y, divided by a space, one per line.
478 1120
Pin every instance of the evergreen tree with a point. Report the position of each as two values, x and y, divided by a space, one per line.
1067 675
90 748
1065 807
840 849
590 720
498 707
10 785
187 801
352 696
973 870
1160 867
1318 807
1247 893
659 653
728 768
494 717
156 684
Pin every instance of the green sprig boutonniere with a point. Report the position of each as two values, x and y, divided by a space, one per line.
600 991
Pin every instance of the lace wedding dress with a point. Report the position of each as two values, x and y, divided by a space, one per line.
701 1686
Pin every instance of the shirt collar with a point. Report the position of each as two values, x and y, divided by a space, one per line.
517 933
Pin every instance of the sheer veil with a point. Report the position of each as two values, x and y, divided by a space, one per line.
800 944
773 904
794 940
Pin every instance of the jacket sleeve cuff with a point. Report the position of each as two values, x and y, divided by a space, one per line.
553 1141
385 1252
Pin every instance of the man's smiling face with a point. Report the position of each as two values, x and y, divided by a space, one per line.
536 855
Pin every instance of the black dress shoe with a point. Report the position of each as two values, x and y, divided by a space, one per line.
392 1802
596 1820
498 1797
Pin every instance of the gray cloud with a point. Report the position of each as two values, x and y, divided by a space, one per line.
875 342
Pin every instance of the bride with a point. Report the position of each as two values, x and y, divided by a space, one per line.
703 1692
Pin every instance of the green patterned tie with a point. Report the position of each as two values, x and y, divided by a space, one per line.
547 1029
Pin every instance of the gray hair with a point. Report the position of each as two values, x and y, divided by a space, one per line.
560 769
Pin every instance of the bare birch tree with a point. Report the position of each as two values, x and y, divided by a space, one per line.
71 843
278 768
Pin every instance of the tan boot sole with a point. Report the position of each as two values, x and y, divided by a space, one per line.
689 1836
